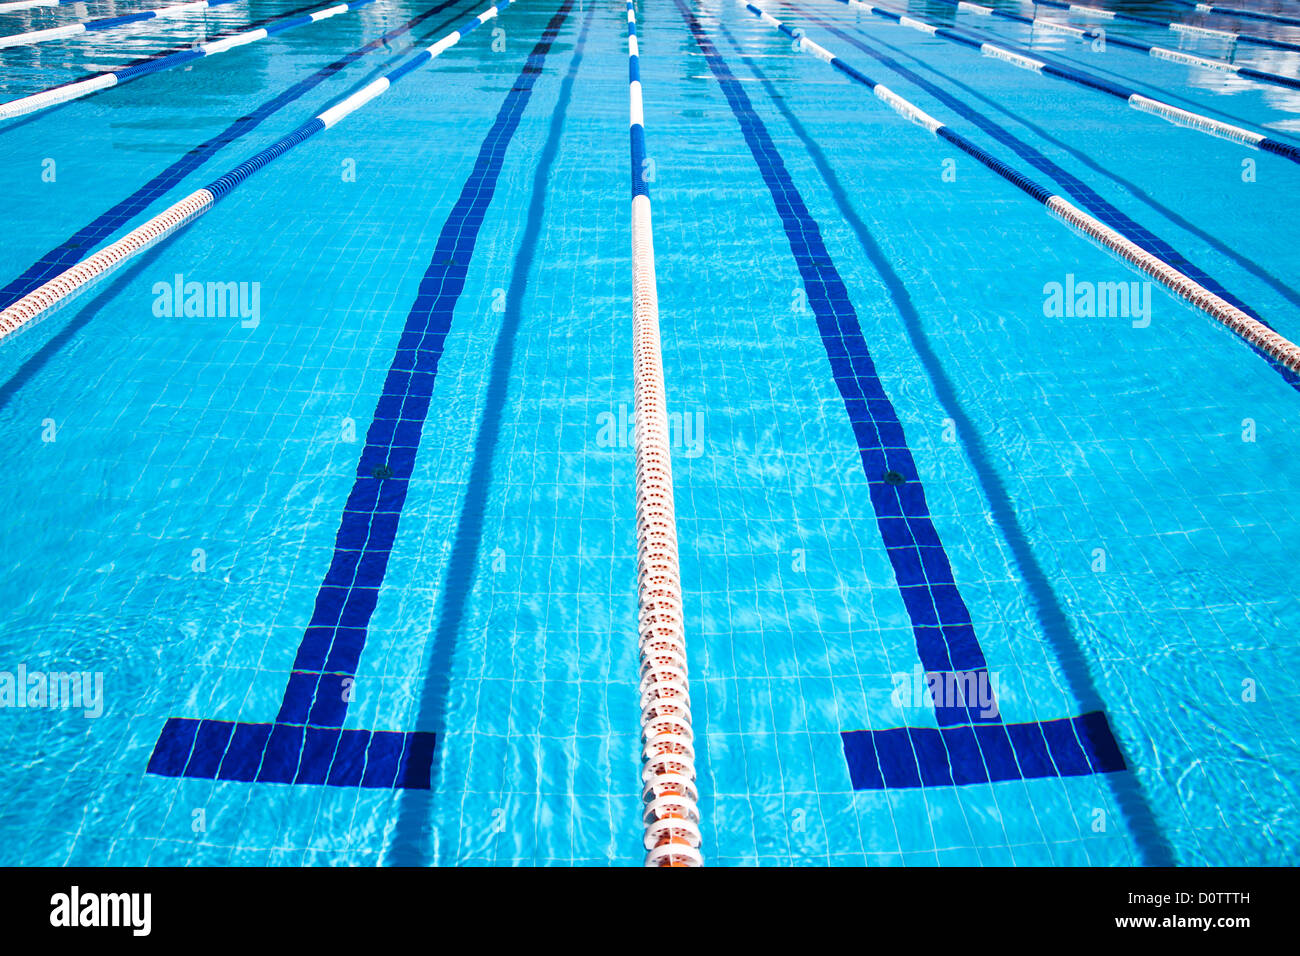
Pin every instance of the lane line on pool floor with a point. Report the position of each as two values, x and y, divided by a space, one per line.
1265 339
306 743
65 92
1047 607
1026 59
1085 194
107 23
57 259
56 291
671 815
408 846
971 744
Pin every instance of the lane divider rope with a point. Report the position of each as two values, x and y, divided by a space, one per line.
104 225
1240 13
1182 28
1023 59
58 289
1100 13
1253 331
1078 191
1158 52
102 81
671 816
108 23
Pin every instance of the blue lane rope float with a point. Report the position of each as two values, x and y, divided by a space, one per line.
1025 60
56 290
1252 330
1239 13
1186 29
671 816
166 61
1158 52
108 23
66 253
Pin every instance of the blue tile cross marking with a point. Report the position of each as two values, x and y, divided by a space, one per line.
307 743
951 756
971 744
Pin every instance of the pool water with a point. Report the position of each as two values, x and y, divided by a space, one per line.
225 512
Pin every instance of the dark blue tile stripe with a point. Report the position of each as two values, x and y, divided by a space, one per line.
971 743
941 624
76 246
306 735
337 630
1089 198
908 757
284 753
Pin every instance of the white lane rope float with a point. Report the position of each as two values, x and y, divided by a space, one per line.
66 92
108 23
57 290
1280 349
671 815
1136 100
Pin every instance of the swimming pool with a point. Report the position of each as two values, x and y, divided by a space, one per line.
331 492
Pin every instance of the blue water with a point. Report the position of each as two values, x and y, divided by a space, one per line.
1113 499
